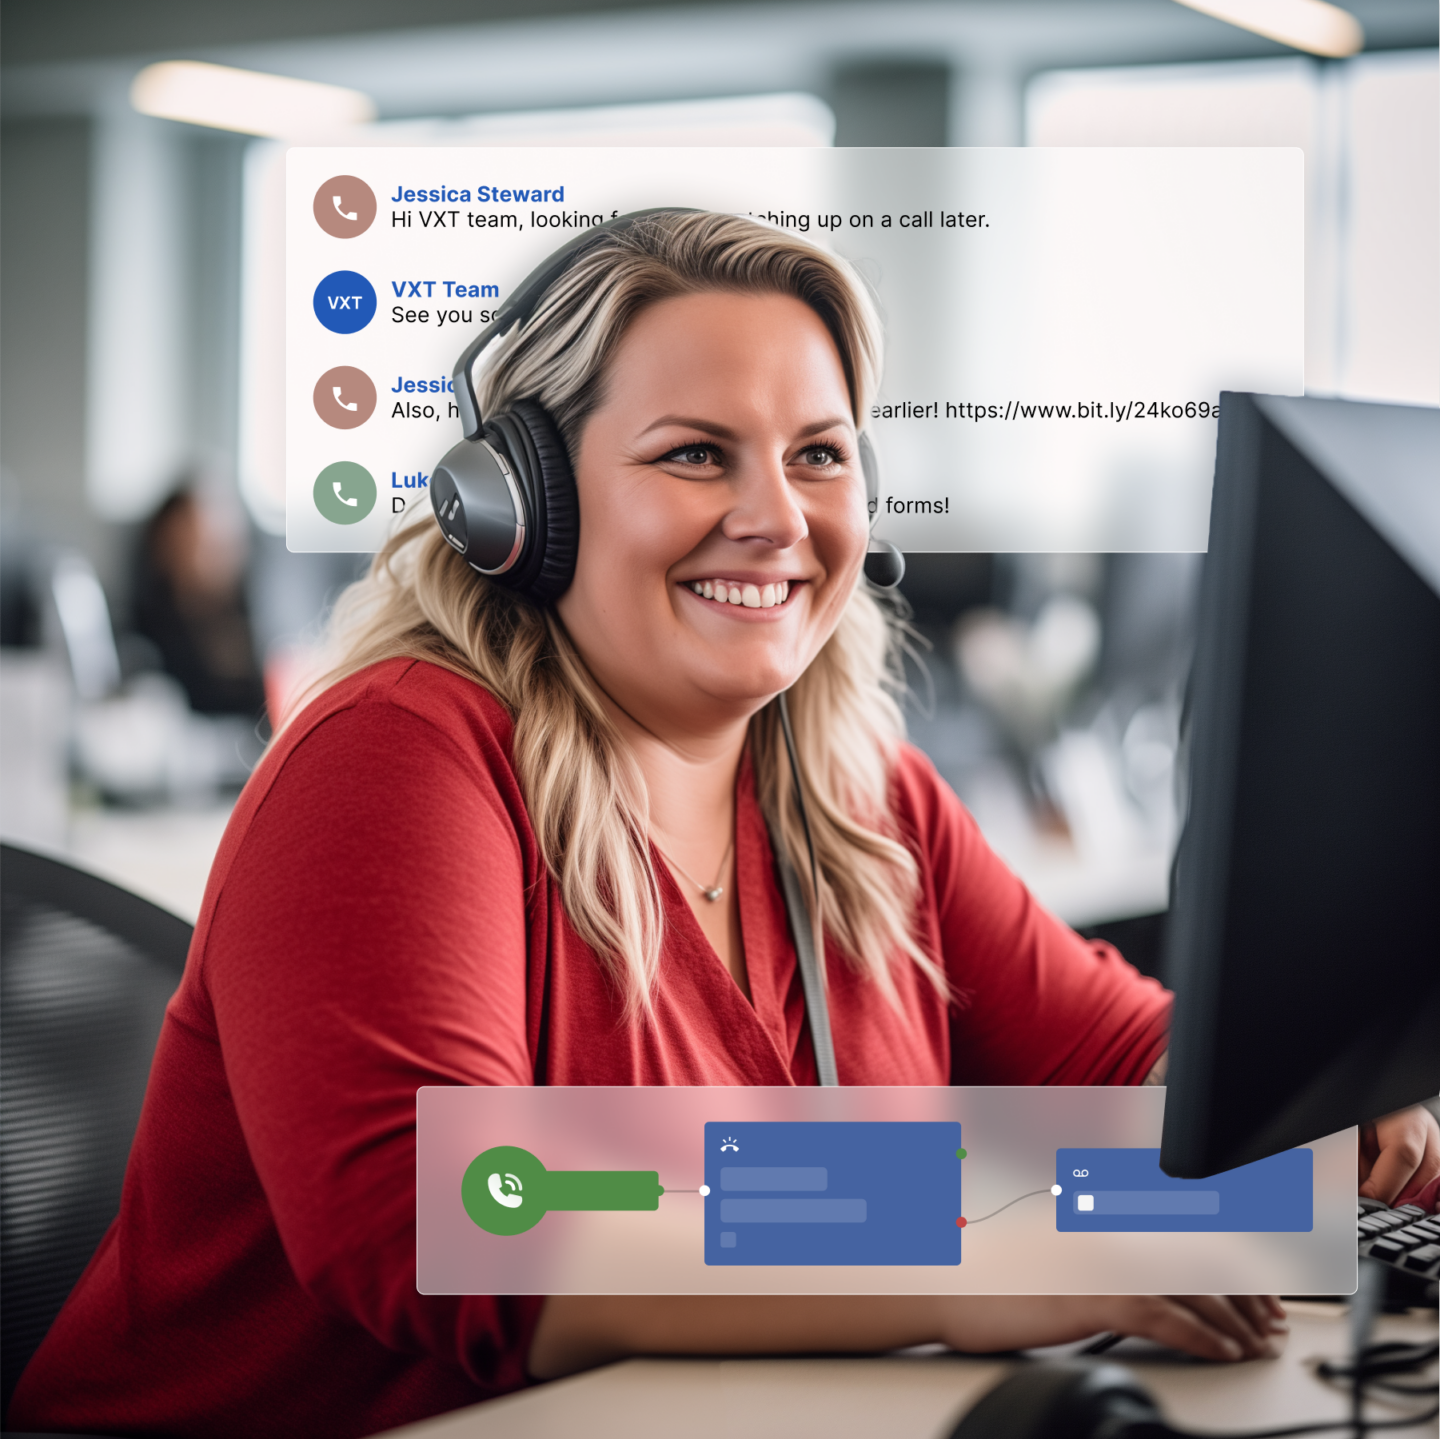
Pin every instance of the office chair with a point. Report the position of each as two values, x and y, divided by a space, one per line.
86 970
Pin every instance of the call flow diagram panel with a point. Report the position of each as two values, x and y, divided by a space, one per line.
586 1190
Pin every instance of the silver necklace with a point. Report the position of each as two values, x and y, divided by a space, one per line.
712 892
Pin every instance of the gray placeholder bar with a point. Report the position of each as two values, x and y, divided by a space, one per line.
1148 1201
772 1178
792 1211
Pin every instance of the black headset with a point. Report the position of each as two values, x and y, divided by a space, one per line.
505 495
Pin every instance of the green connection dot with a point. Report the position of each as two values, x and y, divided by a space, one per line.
959 1154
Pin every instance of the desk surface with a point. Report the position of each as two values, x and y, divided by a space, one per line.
907 1396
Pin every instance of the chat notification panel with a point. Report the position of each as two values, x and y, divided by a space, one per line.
1059 323
833 1193
689 1190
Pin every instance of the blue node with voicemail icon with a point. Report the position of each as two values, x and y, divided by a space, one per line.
832 1193
1119 1191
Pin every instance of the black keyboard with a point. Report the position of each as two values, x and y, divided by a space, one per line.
1407 1237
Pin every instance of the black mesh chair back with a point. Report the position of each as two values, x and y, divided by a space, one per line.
86 970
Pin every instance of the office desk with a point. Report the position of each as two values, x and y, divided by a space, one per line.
909 1396
162 854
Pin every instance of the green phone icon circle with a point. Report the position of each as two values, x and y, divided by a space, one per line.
345 492
507 1190
502 1190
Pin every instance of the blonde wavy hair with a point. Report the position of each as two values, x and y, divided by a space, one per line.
583 789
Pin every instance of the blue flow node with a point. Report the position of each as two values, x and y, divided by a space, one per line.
344 301
1124 1191
842 1193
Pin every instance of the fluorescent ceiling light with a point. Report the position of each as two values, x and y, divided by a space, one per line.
1309 25
786 119
246 100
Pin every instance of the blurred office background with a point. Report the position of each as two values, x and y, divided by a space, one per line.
150 608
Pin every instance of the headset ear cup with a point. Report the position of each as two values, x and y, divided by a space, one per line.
555 482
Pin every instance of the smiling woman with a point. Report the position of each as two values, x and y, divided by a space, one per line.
531 837
705 375
732 464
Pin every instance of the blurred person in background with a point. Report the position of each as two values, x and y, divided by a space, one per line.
189 601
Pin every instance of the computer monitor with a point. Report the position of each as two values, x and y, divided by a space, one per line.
1304 936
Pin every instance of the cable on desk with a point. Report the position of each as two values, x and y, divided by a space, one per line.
1375 1359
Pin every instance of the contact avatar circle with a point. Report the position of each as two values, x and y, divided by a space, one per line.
344 397
345 492
344 206
345 301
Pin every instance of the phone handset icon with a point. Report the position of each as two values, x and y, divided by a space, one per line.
351 215
499 1185
335 390
341 497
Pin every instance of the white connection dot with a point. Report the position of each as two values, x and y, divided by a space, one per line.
704 1189
1056 1190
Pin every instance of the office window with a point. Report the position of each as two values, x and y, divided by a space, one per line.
1369 130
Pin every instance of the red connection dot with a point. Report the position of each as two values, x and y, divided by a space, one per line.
960 1223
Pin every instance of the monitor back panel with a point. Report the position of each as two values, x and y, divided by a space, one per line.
1304 945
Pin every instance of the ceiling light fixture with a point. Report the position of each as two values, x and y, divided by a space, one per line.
245 100
1309 25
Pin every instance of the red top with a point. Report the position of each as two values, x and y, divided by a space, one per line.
379 918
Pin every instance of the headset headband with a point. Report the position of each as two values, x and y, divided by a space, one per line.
513 501
526 300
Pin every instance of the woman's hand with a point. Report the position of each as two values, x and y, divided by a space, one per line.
1210 1326
1399 1152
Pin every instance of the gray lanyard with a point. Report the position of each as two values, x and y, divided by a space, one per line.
801 930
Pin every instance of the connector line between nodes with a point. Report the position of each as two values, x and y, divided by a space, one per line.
1004 1207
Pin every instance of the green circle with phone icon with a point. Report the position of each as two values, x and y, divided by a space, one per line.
345 492
503 1190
